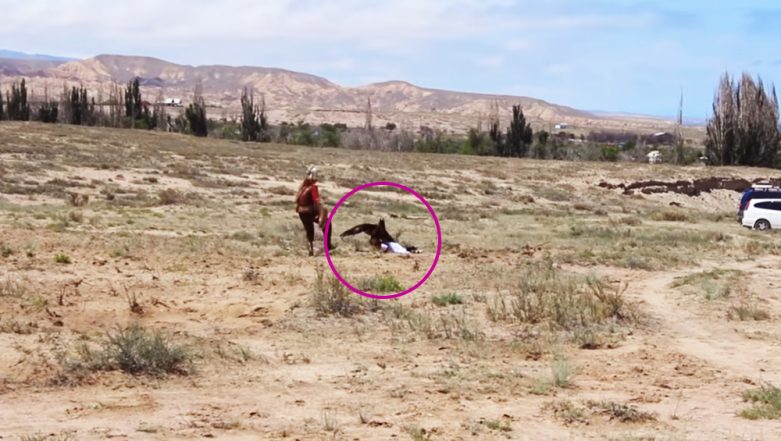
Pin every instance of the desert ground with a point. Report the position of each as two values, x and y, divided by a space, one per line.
157 287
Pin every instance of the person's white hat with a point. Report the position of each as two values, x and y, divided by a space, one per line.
311 172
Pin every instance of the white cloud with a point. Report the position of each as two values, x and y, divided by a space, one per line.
560 69
518 45
371 23
490 61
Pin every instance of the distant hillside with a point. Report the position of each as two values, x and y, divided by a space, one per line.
293 96
14 55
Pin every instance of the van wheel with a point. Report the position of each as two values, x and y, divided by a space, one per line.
762 225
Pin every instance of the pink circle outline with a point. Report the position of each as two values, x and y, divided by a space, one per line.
382 184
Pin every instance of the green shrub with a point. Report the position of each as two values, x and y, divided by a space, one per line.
62 259
610 153
331 297
136 351
447 299
767 403
380 285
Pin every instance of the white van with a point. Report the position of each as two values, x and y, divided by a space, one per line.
762 214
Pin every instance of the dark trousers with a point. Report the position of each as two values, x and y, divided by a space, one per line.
309 220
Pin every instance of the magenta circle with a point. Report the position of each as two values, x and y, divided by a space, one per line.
382 184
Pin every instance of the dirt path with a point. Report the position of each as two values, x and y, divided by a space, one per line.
714 340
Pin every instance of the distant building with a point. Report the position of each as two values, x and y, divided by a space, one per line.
662 138
173 102
654 157
561 126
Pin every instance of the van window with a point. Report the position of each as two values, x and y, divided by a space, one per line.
769 205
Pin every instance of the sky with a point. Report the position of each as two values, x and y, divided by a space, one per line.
620 56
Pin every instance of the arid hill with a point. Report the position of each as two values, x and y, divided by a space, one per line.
293 96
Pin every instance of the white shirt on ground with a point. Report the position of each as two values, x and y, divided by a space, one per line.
394 247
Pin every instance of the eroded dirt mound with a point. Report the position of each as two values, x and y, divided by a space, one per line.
690 188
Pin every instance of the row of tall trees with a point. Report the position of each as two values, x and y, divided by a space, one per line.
17 108
254 124
744 129
518 138
195 114
78 108
124 107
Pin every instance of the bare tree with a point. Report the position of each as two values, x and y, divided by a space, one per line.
195 113
721 136
159 116
115 105
250 125
679 154
494 128
744 127
369 115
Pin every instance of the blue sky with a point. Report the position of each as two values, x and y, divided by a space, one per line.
609 55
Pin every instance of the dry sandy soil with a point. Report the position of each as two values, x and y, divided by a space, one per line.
559 310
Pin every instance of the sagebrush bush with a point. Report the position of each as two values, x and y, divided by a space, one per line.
171 196
767 403
565 302
136 351
330 297
621 412
447 299
745 311
671 215
381 285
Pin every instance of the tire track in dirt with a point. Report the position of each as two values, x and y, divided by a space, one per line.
713 340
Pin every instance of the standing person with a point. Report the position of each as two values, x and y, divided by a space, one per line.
310 209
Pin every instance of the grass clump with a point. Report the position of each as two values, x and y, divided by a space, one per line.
562 373
671 215
134 350
5 251
621 412
568 412
381 285
242 236
499 425
561 301
51 437
62 259
171 196
446 325
766 403
417 434
713 285
746 311
571 413
12 288
330 423
447 299
331 297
